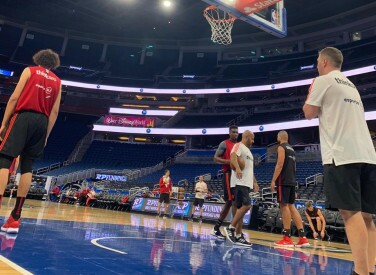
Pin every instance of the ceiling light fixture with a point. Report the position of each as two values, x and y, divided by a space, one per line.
167 3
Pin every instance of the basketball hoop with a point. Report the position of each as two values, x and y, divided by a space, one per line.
221 23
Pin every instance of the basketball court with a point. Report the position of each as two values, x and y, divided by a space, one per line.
66 239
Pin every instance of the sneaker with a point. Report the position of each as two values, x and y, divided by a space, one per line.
11 226
218 234
200 220
230 232
303 241
165 217
158 215
242 241
285 242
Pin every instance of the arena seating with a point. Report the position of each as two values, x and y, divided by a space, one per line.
181 171
126 155
121 63
113 155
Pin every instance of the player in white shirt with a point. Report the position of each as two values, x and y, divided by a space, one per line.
243 181
200 189
348 155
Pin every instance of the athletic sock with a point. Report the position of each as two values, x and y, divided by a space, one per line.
231 227
238 236
301 233
218 225
16 213
287 232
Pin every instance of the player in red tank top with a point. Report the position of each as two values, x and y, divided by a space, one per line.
29 117
222 155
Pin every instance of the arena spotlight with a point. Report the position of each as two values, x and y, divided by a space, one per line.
167 3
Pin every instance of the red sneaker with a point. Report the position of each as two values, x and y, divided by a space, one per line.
285 242
11 226
303 241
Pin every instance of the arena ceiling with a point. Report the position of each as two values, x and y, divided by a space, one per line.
147 19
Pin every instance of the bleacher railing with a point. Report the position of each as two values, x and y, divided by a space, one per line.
268 195
53 166
133 192
75 176
312 179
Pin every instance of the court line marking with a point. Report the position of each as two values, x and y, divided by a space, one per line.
15 266
95 242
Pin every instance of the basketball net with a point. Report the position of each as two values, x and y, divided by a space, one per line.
221 24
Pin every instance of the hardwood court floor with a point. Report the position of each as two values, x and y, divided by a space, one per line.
66 239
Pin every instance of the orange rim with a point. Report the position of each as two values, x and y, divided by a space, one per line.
232 18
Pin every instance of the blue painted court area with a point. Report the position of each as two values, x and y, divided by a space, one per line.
61 247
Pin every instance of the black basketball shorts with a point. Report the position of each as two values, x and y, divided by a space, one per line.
25 136
286 194
164 197
350 187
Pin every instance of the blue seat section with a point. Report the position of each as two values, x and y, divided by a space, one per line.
264 172
34 42
79 166
42 163
181 171
68 130
205 121
200 153
12 36
63 139
118 155
263 118
83 54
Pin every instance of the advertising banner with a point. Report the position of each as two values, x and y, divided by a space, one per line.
111 177
126 121
211 210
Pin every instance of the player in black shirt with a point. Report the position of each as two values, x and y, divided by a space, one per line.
316 221
284 175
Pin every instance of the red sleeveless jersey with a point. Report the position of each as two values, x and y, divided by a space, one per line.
40 92
227 153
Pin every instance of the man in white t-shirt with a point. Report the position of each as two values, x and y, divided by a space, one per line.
200 189
243 181
348 155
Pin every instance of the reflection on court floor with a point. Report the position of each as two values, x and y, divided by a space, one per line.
148 245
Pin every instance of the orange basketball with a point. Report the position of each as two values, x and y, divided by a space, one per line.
241 164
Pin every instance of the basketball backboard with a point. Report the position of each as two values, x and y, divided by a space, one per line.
268 15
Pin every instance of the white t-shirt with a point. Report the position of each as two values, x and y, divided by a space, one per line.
344 135
243 152
202 188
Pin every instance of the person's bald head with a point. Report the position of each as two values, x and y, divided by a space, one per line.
248 138
282 137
